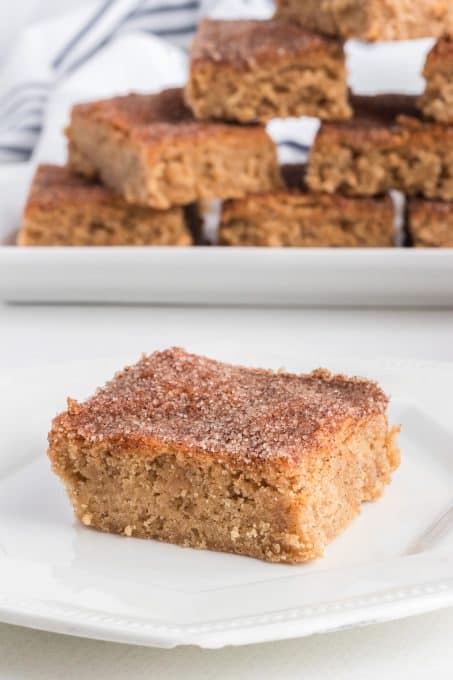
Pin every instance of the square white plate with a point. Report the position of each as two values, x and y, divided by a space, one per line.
395 560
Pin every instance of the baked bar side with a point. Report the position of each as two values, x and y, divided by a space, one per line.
229 163
346 18
278 515
97 150
257 70
277 89
292 219
212 162
437 99
425 164
374 20
413 156
95 226
352 157
66 209
248 43
356 471
430 223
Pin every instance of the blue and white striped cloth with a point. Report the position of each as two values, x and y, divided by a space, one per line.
107 47
23 103
101 49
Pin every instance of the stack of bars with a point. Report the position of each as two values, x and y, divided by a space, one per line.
142 167
397 142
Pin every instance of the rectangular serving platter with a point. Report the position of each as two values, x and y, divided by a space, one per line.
213 275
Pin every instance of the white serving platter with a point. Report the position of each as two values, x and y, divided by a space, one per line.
214 275
395 560
209 275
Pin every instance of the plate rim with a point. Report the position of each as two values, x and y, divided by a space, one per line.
277 625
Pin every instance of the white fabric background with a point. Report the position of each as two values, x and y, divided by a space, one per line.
15 16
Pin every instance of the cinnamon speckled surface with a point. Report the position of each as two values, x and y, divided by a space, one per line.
157 118
244 42
193 402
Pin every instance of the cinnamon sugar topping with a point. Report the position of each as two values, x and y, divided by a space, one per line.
250 41
198 404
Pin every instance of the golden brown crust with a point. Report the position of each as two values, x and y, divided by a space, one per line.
359 206
372 20
280 515
430 223
440 58
294 176
188 450
157 119
66 209
54 185
249 71
385 146
383 108
437 100
151 150
376 119
201 406
299 219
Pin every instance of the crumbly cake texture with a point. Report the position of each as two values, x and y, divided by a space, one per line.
253 71
65 209
296 217
150 149
430 223
437 100
385 146
187 450
371 20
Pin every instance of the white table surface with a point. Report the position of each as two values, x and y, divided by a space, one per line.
415 648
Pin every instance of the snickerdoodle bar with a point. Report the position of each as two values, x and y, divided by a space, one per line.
386 145
191 451
371 20
430 223
65 209
151 150
437 100
253 71
295 217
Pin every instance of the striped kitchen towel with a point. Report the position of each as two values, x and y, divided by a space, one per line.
48 53
100 49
